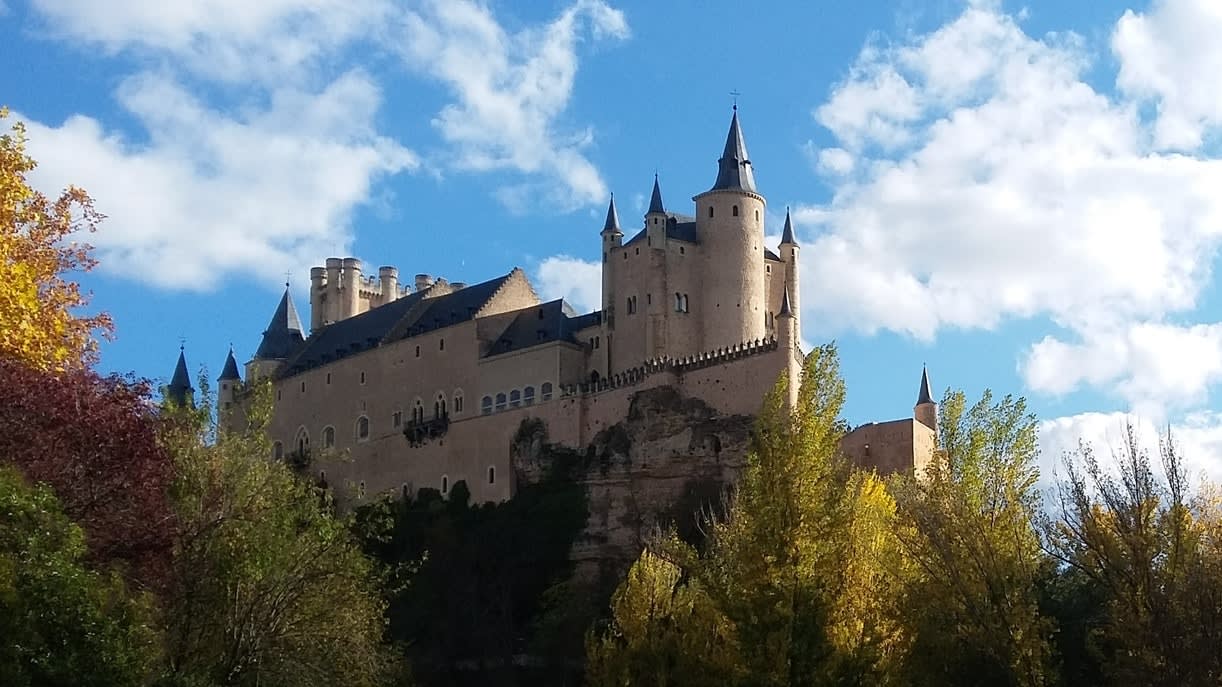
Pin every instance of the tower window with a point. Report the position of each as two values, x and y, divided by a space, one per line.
362 378
649 299
278 450
441 345
445 484
303 387
734 211
757 215
710 211
681 250
637 250
457 401
491 475
362 429
417 351
328 378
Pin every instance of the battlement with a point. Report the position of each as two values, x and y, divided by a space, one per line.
340 289
677 366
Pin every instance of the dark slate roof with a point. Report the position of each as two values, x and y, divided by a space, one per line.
655 201
787 235
924 396
678 228
611 226
230 371
589 319
283 334
734 167
768 254
786 310
180 383
388 323
552 321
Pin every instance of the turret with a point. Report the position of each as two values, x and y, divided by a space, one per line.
331 305
789 253
729 222
926 411
281 339
318 289
388 278
229 382
655 216
612 238
787 345
350 300
179 391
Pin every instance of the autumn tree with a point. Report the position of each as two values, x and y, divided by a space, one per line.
1150 547
967 526
38 325
61 623
93 439
269 587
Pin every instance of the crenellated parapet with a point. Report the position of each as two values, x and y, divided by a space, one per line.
674 366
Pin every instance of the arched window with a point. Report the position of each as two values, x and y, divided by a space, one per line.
445 484
439 406
757 215
734 211
685 303
500 401
515 398
303 441
678 302
528 396
278 450
491 474
418 411
545 391
362 428
457 401
485 405
328 437
360 490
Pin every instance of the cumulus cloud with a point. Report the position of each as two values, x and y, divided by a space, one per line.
1170 56
511 89
978 177
577 281
211 195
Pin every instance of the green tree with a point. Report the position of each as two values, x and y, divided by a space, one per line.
60 622
270 588
967 526
1151 549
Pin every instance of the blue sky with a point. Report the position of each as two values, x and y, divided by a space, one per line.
1023 196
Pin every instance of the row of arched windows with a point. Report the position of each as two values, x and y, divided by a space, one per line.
360 430
514 399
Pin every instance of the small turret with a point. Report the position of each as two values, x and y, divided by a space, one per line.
612 238
655 217
789 254
388 278
611 226
787 342
280 340
179 391
229 373
926 411
655 200
229 381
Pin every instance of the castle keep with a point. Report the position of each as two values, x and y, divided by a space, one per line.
401 386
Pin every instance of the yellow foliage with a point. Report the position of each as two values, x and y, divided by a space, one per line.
37 322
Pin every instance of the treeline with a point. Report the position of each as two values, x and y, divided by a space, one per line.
821 574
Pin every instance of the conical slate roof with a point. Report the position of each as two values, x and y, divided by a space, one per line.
230 372
283 333
786 309
787 235
611 226
924 396
655 201
734 167
180 389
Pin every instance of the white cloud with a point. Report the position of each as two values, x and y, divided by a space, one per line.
227 40
1171 56
577 281
211 195
511 90
978 177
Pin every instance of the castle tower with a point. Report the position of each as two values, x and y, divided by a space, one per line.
229 381
655 216
612 238
179 391
787 344
350 298
280 339
729 221
926 411
789 253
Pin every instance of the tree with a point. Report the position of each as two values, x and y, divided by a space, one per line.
967 526
60 622
94 440
37 322
1151 549
269 587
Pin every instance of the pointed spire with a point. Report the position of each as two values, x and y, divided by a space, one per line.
655 201
787 235
180 390
611 226
230 372
283 333
786 310
734 167
924 395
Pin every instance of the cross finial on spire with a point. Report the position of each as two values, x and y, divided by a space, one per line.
734 94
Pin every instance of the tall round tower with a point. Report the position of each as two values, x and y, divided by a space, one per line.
730 225
612 238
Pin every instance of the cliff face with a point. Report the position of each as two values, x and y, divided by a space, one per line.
670 457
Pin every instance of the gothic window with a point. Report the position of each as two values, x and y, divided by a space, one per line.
545 391
328 437
303 441
439 406
515 398
457 401
491 474
362 428
485 405
418 411
734 211
528 396
278 450
500 402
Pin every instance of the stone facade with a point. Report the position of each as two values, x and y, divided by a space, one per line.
399 387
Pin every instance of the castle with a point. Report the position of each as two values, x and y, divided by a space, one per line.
399 387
